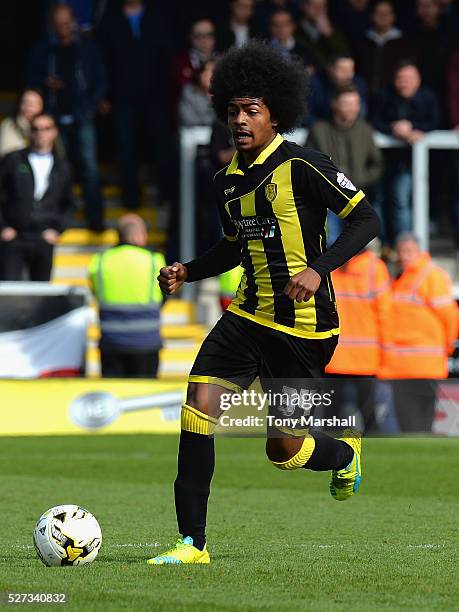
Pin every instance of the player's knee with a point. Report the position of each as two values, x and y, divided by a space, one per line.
279 449
197 396
289 453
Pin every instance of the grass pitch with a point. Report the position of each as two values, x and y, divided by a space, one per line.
278 540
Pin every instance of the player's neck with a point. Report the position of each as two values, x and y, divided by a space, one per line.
248 157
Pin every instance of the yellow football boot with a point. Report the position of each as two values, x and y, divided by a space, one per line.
346 482
183 552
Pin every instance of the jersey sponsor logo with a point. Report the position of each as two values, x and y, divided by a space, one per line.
229 190
344 182
271 192
256 228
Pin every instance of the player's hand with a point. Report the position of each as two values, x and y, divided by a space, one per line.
8 234
303 285
171 278
50 235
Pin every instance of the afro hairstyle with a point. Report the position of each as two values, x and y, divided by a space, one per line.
258 70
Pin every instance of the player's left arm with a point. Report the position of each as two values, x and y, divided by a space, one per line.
331 189
362 225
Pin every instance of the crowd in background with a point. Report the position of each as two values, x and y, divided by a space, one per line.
116 81
144 69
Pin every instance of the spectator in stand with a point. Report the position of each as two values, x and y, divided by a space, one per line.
282 34
453 117
383 48
123 280
87 12
189 61
339 74
239 28
426 329
349 141
362 290
317 34
265 10
406 111
135 41
35 195
433 46
195 106
15 131
449 12
69 69
353 17
182 14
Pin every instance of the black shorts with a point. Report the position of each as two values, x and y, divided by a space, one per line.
238 351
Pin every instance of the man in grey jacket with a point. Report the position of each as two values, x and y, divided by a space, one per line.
349 141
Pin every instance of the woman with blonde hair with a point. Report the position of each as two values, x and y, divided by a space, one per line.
15 131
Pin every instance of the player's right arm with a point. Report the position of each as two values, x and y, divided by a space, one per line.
223 256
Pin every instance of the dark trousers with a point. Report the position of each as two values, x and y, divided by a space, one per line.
129 364
33 255
415 404
80 141
138 128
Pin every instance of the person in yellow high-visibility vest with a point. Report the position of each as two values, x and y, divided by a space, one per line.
228 283
123 280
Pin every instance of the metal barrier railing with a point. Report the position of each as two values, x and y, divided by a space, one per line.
191 138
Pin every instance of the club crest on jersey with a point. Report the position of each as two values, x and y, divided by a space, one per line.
344 182
271 192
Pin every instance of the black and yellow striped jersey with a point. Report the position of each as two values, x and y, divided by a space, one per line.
277 209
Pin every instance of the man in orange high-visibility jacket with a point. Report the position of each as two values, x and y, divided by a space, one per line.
362 289
425 316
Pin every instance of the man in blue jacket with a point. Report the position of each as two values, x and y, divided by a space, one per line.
407 111
324 85
136 41
70 72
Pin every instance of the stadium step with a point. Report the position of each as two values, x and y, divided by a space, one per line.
84 237
151 216
111 190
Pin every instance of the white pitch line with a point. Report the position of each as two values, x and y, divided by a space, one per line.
139 545
426 546
128 545
302 545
